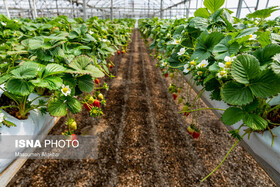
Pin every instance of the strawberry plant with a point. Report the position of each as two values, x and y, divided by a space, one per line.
236 60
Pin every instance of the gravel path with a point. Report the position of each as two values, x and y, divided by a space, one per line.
143 140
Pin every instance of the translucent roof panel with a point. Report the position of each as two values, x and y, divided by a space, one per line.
123 8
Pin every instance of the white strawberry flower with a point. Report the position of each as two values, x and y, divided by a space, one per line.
186 68
256 22
4 24
65 90
164 64
1 117
105 40
221 65
222 74
228 61
203 63
182 51
90 32
252 37
175 42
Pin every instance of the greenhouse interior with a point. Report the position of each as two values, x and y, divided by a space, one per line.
140 93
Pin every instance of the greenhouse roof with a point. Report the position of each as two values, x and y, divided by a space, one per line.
123 8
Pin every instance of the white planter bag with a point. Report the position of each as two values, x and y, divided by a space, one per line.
34 125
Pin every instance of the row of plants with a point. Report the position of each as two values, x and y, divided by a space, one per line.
60 61
237 60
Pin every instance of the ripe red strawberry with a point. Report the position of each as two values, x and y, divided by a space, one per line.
96 103
96 81
88 106
111 66
119 52
195 134
123 51
175 96
74 137
186 114
166 75
190 130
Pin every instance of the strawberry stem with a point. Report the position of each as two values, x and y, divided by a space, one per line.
224 158
202 109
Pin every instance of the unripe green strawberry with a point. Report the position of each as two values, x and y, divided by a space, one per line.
179 90
72 124
180 100
91 100
100 96
185 108
171 75
190 130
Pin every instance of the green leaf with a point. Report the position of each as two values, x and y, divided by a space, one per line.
53 69
74 105
25 72
85 83
247 32
232 115
81 65
35 43
236 94
8 123
199 23
205 45
264 13
255 122
19 87
213 5
95 72
264 39
266 84
57 107
4 78
244 68
252 106
275 66
52 83
202 12
265 55
224 48
84 29
16 52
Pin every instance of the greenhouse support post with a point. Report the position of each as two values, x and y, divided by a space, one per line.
148 9
111 13
7 8
238 12
257 5
161 9
72 8
34 9
56 8
84 10
267 4
31 9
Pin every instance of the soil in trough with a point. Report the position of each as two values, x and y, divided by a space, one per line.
143 140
